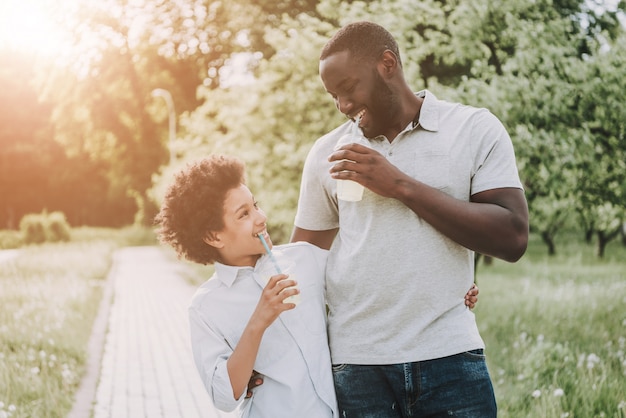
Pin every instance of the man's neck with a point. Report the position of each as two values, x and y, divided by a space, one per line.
411 115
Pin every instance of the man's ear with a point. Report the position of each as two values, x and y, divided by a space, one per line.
388 64
213 239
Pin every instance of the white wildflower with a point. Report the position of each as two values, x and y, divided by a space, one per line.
35 370
592 360
12 408
536 393
558 392
67 375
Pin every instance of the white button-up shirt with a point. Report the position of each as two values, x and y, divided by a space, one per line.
293 356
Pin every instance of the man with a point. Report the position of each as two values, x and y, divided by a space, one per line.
441 183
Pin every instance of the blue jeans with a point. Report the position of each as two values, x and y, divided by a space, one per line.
455 386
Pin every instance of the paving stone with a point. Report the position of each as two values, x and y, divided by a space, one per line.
147 368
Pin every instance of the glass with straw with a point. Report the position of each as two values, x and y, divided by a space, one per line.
295 299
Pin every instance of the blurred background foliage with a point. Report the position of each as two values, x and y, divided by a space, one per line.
82 134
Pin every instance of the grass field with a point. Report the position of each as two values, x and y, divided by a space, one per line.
49 296
555 330
555 327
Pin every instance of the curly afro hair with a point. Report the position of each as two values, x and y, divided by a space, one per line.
194 206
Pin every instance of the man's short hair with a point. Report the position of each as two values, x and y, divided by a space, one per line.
366 41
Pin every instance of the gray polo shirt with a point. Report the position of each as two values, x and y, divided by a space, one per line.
396 286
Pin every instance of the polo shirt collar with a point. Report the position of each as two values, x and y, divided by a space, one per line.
429 113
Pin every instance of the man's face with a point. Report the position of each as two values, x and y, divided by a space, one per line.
359 90
238 242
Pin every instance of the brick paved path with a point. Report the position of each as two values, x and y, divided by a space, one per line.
147 369
6 255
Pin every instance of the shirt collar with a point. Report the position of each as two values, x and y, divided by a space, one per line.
228 274
429 115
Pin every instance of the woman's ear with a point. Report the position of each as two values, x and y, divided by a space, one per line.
213 239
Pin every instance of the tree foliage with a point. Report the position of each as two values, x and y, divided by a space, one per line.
552 70
556 93
529 62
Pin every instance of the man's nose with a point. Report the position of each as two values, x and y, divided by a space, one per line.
344 105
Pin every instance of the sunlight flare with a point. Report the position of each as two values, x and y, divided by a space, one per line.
32 26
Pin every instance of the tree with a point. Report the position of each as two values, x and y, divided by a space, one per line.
523 60
541 91
530 62
123 50
602 156
272 123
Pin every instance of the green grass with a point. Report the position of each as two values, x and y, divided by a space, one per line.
555 327
49 300
555 330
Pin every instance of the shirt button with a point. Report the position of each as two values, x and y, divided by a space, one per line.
390 153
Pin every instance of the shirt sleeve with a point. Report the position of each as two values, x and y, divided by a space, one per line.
210 353
494 163
317 204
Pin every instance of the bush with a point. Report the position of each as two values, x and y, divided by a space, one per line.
33 229
57 229
10 239
44 227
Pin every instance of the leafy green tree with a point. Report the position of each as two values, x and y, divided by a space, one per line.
530 62
548 166
522 60
602 155
124 50
540 91
272 123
